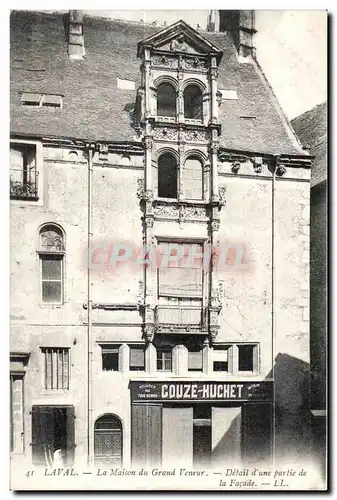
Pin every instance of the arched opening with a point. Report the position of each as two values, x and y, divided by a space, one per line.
166 100
108 441
193 102
167 176
193 178
51 252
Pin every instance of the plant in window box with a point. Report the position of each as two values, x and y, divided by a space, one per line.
19 189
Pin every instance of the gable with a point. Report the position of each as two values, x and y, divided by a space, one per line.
180 38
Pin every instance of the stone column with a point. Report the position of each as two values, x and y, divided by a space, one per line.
180 93
213 73
151 359
17 412
124 358
207 362
180 360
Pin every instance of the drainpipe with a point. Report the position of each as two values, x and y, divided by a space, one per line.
273 330
90 148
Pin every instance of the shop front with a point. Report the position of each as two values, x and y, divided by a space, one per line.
200 424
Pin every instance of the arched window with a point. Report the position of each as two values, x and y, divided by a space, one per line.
166 100
108 441
193 179
167 176
51 254
193 102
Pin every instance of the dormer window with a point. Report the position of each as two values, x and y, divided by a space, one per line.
167 176
193 102
166 100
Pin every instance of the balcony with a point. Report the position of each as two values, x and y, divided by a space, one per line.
23 184
180 319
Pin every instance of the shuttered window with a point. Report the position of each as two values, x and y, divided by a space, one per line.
181 278
137 358
56 367
195 360
53 428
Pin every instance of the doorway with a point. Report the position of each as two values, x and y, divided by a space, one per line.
108 441
202 436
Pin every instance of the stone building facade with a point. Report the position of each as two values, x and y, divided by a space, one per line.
164 138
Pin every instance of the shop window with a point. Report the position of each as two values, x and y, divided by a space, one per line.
51 261
166 100
110 358
193 102
167 176
195 360
23 172
248 357
182 277
137 358
56 368
220 358
53 435
193 179
164 360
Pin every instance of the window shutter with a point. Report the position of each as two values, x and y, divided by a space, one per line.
195 360
193 179
256 358
137 357
70 438
42 433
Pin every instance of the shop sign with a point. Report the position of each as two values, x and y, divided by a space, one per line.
201 391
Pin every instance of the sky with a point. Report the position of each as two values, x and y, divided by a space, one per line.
291 48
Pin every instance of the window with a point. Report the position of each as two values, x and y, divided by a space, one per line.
110 358
193 179
51 259
53 430
56 367
193 102
248 357
166 100
45 100
167 176
195 360
137 358
164 360
183 277
220 358
23 172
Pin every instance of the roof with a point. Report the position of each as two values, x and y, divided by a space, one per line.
311 128
93 107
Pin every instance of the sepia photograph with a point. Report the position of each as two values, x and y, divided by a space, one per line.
168 250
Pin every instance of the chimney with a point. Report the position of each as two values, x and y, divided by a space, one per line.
240 25
75 35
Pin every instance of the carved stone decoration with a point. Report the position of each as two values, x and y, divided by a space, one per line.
236 167
219 98
280 169
222 196
194 63
140 294
213 333
140 188
166 211
189 212
148 142
257 164
179 44
215 225
148 221
148 332
213 147
164 133
174 328
195 135
164 61
214 73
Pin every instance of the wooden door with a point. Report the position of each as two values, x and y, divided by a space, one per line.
108 445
